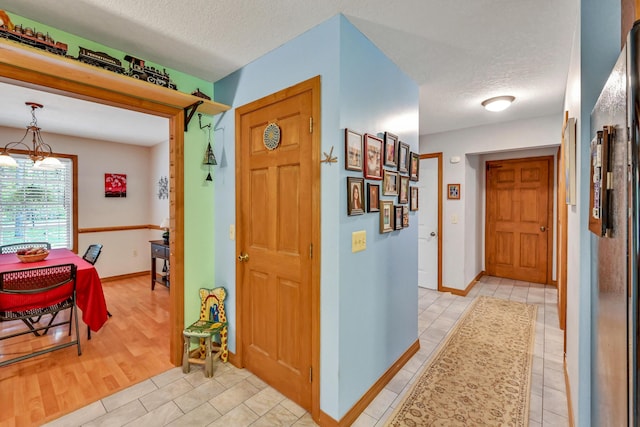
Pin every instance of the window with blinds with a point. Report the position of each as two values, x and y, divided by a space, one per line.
36 205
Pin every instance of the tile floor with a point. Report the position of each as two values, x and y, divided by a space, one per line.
236 398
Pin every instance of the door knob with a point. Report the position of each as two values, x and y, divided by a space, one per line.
543 228
243 257
433 234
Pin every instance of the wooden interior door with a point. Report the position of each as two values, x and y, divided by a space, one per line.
277 216
518 232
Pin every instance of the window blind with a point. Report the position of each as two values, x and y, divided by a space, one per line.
36 205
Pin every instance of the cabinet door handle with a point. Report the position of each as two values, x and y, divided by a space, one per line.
243 257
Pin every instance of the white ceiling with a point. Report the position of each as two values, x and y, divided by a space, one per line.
459 52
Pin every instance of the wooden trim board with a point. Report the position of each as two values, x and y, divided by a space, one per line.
465 291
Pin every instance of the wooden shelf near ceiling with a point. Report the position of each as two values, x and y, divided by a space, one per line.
17 57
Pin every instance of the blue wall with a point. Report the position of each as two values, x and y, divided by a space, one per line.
368 299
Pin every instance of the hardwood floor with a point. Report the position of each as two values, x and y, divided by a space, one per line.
131 347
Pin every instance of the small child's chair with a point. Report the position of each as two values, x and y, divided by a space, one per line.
210 329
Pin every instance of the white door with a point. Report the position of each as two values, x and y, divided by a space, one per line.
428 224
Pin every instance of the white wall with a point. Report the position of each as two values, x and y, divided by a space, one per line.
539 133
126 251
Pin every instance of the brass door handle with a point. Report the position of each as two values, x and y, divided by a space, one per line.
543 228
243 257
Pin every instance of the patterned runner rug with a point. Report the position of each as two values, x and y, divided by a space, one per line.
481 374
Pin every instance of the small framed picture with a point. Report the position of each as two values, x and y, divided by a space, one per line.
453 191
403 157
390 183
397 221
353 150
405 216
386 216
373 148
403 193
390 147
414 166
413 201
355 195
373 197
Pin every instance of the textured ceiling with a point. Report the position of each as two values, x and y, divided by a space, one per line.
459 52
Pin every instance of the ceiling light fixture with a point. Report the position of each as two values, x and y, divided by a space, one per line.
498 103
39 152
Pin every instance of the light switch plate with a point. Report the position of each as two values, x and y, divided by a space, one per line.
358 241
232 232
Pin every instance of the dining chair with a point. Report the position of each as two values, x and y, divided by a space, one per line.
210 330
36 292
92 253
15 247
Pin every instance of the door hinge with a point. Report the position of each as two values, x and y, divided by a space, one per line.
310 374
310 250
310 124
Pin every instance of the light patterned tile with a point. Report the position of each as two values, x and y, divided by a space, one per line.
158 417
229 399
365 420
305 421
257 382
554 379
200 416
129 394
240 416
120 416
277 416
264 401
293 407
233 377
165 394
554 401
399 381
381 403
168 377
199 395
549 419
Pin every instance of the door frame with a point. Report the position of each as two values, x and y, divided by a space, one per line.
312 84
550 224
440 237
21 67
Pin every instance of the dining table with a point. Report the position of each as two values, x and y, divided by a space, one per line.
89 295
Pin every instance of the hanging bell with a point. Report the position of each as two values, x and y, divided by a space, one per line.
209 157
208 178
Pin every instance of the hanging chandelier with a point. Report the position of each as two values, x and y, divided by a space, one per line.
40 152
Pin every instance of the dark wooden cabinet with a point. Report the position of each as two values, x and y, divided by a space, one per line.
159 250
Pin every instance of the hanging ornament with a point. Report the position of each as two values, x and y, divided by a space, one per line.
209 157
271 136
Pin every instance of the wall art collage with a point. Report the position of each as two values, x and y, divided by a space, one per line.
385 159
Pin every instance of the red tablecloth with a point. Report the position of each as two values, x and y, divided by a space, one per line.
90 298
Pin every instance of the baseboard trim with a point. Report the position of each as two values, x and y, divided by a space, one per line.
124 276
349 418
568 388
464 292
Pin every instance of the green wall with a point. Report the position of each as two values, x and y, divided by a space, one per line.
198 194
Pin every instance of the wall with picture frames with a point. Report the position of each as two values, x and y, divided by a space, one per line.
360 89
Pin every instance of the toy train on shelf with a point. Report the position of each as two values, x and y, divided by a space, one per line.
136 69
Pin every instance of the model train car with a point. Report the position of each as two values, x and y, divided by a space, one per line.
138 70
100 59
33 38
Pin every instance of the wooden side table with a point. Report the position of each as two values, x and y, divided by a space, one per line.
159 249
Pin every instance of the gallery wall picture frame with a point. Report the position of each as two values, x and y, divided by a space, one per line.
353 150
453 191
373 197
599 191
405 216
115 185
414 166
390 183
397 218
403 157
355 195
386 216
569 152
403 192
413 199
373 148
390 149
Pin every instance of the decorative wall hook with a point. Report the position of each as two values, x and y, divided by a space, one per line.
329 158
